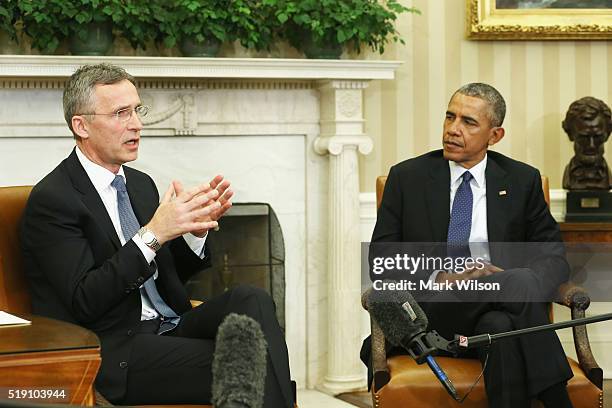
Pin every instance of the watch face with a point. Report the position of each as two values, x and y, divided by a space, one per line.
148 237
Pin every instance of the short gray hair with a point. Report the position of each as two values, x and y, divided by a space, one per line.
497 105
79 91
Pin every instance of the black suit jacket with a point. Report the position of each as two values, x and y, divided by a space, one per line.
416 208
79 272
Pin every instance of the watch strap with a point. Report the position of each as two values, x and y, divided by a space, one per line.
149 238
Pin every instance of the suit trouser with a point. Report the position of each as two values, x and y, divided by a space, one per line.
517 369
176 367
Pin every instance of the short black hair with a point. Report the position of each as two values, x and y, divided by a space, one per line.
487 93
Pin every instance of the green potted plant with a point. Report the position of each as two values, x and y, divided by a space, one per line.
253 24
199 27
87 24
138 21
321 28
8 17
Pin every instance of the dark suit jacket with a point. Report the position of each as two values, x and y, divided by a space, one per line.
416 208
79 272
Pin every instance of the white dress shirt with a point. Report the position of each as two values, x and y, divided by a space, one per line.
101 179
479 235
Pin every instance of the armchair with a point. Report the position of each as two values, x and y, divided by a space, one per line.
399 381
15 298
14 290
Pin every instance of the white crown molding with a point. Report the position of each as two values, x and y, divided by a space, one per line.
48 66
367 207
557 204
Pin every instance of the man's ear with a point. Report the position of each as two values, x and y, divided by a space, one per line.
497 134
80 126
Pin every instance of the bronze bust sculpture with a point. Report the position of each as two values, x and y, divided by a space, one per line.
588 124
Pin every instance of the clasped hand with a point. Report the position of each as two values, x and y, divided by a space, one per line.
195 211
474 273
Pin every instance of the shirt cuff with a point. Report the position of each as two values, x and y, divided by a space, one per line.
434 275
196 243
148 253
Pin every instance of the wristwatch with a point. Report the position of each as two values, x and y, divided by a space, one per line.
149 239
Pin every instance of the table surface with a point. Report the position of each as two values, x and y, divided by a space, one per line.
44 335
585 226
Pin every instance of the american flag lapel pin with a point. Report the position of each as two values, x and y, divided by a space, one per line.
502 192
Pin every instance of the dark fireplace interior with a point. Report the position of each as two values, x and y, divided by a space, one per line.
248 248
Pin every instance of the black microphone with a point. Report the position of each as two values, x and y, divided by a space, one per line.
239 364
404 323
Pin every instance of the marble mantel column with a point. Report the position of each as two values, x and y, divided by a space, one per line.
342 138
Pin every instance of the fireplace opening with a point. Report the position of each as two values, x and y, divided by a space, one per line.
248 248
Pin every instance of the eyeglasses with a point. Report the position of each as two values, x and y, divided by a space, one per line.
124 115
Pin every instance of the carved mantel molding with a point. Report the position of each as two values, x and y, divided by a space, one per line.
178 85
43 66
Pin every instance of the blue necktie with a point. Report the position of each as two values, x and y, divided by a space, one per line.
129 227
460 223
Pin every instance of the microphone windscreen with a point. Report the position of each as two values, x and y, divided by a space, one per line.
239 363
398 315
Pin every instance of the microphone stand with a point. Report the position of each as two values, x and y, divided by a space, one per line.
431 342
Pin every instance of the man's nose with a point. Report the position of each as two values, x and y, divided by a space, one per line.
453 128
592 141
135 122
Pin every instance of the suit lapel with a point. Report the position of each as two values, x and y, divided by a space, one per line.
438 200
143 208
91 198
498 201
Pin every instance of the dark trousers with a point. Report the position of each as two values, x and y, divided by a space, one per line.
175 368
517 369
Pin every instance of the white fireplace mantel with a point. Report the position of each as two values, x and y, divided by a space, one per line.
35 66
285 131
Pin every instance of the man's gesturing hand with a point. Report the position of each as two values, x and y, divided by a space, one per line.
181 211
224 196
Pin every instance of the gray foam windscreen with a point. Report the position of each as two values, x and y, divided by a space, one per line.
397 313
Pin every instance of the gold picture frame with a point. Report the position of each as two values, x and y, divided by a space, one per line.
487 22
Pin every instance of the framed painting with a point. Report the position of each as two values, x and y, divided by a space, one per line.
539 19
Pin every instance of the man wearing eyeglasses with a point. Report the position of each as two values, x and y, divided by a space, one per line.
102 251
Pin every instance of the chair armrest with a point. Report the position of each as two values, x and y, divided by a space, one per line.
573 296
578 300
379 353
379 357
364 299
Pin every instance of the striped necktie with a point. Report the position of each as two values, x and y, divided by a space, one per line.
129 227
460 224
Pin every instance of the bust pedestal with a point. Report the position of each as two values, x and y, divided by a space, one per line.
588 206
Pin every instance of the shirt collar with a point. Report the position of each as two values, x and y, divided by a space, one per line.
478 172
100 177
